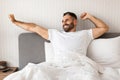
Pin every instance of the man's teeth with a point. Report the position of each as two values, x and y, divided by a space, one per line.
66 26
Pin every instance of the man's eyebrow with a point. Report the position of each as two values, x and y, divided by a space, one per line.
65 20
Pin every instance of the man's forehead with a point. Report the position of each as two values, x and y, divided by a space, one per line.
67 17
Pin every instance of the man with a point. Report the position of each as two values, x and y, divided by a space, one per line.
70 47
69 25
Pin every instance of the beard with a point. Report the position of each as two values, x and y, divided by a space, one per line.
68 27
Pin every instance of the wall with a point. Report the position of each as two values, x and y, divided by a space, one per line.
48 13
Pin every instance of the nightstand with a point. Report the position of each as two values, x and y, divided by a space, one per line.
4 74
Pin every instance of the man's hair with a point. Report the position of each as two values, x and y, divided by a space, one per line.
71 14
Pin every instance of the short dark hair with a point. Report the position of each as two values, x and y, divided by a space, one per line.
71 14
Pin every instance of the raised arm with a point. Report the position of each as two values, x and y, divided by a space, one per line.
43 32
100 28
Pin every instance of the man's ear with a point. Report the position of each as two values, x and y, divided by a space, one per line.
75 22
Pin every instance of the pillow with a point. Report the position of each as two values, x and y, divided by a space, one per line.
49 53
105 51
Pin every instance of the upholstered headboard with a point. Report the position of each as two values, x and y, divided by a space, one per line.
31 47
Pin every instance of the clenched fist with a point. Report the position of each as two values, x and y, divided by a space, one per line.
12 18
85 16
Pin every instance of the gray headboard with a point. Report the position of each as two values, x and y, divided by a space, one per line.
31 48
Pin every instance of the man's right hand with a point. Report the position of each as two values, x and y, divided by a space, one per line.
30 27
12 18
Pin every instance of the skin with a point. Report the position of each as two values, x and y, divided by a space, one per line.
43 32
100 26
68 22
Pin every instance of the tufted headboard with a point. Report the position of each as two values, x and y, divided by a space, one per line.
31 47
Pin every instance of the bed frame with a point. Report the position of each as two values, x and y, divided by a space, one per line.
31 48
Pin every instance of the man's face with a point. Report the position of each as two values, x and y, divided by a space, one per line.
68 23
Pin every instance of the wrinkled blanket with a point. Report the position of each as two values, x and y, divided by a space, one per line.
82 69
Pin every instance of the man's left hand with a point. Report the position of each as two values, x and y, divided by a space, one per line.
85 16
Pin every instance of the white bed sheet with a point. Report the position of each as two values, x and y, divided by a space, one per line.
86 70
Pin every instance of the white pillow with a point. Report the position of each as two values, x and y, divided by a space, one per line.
49 53
105 51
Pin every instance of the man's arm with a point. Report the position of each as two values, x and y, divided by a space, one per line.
43 32
100 28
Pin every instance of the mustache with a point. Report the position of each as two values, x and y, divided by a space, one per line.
65 25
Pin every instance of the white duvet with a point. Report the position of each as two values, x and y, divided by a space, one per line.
79 68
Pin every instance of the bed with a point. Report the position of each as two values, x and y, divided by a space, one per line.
30 43
36 60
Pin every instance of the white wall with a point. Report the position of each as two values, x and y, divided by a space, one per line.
48 13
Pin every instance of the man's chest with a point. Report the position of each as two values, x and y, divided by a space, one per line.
69 42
